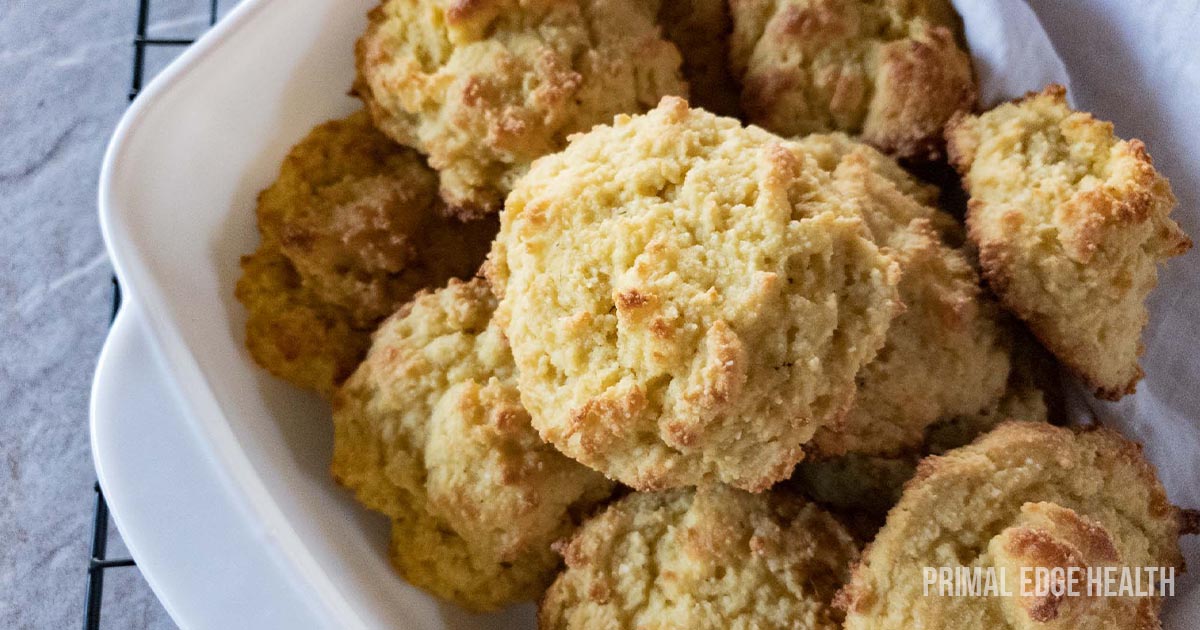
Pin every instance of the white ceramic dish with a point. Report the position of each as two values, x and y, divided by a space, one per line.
179 516
176 197
216 472
210 560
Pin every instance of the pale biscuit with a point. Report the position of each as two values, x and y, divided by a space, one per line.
861 488
350 230
688 300
1071 223
948 354
1026 495
430 431
1032 395
892 72
715 558
483 87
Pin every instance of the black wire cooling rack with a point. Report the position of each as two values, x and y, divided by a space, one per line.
100 562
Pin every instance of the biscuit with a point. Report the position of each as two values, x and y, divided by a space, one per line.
948 353
483 87
892 72
290 331
350 230
688 300
700 29
1071 223
430 431
1025 495
861 488
1031 396
704 559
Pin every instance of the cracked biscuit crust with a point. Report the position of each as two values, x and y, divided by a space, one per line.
687 299
1071 223
350 230
430 431
947 354
1026 494
892 72
483 87
705 559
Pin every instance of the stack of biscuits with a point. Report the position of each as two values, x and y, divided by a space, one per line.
636 308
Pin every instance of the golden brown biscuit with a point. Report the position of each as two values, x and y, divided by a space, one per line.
687 299
700 29
349 231
948 353
290 331
1071 223
430 431
483 87
706 559
892 71
1027 494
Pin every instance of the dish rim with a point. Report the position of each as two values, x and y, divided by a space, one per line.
199 405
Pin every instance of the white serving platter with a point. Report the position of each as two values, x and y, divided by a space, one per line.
216 472
177 195
180 518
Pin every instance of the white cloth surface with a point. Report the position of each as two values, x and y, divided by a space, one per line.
1011 52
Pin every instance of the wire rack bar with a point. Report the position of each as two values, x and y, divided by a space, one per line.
96 568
